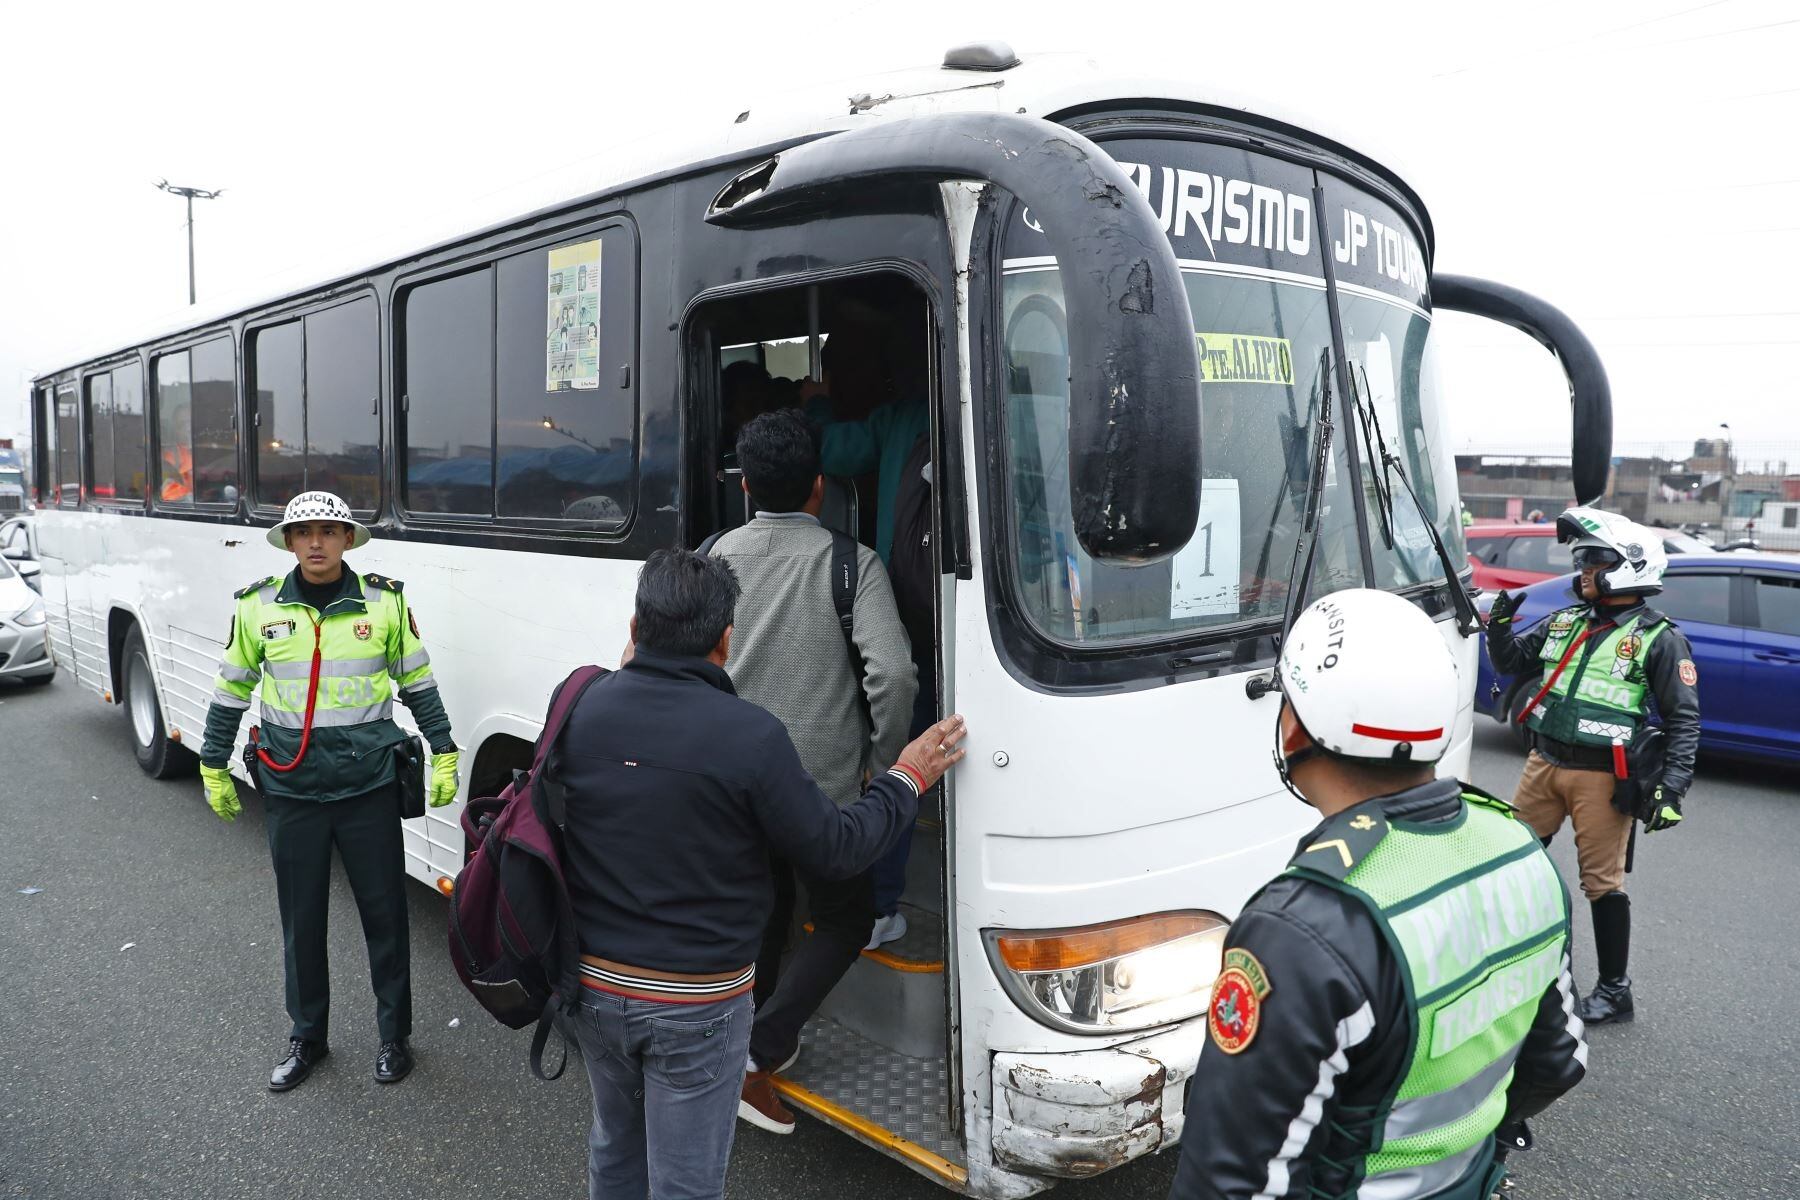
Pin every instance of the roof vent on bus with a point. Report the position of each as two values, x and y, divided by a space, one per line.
980 56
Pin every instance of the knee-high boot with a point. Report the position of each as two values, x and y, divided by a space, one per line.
1611 998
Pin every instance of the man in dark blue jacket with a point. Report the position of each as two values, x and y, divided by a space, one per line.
677 791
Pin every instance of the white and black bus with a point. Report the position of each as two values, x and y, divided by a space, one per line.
1176 352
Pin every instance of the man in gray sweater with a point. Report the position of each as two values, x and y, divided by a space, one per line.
789 655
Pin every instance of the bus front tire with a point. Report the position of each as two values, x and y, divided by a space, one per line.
157 755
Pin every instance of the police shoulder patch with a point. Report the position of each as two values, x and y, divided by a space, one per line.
1234 1013
245 591
382 581
1344 841
1690 674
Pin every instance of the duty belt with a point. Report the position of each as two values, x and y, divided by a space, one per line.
1576 758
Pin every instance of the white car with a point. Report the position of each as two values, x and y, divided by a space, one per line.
24 633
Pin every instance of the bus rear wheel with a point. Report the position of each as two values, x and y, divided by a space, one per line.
159 757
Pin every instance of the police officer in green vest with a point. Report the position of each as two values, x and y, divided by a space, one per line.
330 648
1602 662
1402 990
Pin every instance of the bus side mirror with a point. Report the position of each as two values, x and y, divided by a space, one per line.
1134 370
1590 396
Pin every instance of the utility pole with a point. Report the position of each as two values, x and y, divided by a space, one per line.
1726 477
192 194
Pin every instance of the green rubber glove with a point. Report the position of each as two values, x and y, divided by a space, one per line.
221 792
1665 811
443 778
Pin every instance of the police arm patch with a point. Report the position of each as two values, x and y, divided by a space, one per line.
1690 674
1234 1013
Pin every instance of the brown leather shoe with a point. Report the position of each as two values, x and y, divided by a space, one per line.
762 1107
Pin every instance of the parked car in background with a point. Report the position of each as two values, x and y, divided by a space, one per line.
1512 556
19 549
24 632
1741 614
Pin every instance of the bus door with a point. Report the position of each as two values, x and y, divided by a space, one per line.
857 353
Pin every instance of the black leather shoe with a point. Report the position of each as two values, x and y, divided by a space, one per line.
302 1057
393 1062
1608 1004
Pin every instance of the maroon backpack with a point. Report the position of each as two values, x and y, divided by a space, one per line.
512 929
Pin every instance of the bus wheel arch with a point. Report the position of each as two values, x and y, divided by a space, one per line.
500 755
158 755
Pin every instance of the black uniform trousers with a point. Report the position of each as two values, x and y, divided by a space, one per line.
366 831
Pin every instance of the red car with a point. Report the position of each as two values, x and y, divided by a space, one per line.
1511 556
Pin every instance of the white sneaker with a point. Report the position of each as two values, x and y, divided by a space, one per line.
890 928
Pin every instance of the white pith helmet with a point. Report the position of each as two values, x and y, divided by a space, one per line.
1369 677
318 506
1645 560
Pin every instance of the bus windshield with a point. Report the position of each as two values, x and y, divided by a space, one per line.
1245 236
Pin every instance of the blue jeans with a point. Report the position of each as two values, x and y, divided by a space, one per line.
666 1080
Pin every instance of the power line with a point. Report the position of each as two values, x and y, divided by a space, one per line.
1680 41
1702 37
1665 17
1707 316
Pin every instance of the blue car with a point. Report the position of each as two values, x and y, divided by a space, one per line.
1741 614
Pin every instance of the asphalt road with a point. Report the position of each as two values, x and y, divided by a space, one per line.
140 1011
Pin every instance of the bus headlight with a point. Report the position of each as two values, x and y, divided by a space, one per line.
33 614
1123 975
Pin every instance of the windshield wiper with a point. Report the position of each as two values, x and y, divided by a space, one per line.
1378 453
1300 573
1300 570
1468 622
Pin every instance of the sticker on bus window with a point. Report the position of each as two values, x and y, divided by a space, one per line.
1244 358
572 329
1204 574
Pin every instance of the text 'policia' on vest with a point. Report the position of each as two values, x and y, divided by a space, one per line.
1400 996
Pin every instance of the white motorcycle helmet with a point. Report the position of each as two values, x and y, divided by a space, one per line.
1642 559
1369 678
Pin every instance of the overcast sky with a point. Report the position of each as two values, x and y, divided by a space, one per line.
1633 161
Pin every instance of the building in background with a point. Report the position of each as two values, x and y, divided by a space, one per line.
1718 489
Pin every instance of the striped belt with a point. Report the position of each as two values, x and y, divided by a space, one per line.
665 987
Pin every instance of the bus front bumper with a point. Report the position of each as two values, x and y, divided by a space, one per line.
1078 1114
